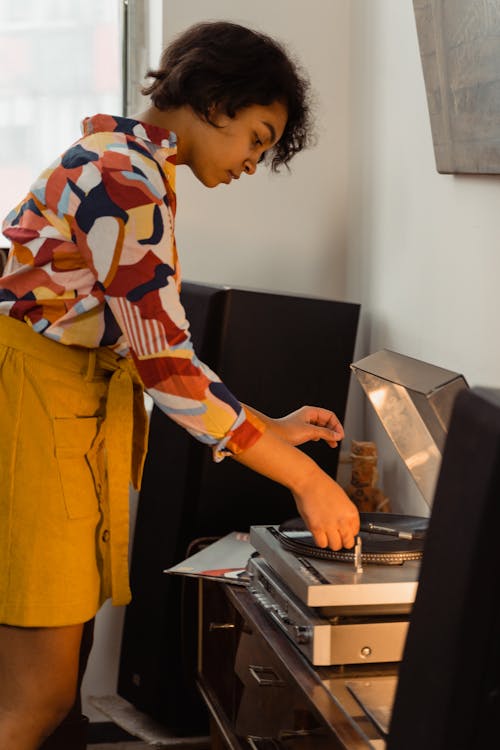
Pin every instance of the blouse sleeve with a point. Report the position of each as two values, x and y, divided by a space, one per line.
133 249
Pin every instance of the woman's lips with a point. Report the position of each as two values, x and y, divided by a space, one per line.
231 176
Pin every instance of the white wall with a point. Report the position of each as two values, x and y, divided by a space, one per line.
101 676
278 232
423 247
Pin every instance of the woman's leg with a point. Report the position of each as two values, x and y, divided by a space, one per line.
72 732
38 680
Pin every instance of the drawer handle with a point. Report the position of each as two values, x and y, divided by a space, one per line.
221 626
265 676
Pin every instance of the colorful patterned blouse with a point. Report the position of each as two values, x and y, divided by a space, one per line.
93 263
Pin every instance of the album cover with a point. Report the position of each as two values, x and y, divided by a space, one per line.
224 560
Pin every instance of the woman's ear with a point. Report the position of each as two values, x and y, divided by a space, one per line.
217 115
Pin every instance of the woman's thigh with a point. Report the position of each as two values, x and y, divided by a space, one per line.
38 668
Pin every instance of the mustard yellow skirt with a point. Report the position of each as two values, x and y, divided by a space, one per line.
68 443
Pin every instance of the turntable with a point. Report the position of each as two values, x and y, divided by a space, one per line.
335 612
353 606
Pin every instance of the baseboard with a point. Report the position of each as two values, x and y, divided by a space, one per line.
141 726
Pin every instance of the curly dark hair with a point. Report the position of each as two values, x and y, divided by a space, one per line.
227 65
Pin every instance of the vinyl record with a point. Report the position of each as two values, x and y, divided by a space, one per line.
379 548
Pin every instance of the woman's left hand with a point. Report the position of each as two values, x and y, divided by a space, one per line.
309 423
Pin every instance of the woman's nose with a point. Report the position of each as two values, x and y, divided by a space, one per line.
249 166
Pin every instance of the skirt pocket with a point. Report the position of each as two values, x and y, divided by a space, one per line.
78 446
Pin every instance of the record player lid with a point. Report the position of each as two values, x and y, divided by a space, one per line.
413 400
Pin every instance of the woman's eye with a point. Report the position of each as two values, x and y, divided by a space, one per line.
257 141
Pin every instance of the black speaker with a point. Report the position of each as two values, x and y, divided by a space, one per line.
275 352
448 694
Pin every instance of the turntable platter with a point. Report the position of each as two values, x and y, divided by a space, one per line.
377 548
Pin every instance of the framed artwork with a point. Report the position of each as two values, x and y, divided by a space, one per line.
459 43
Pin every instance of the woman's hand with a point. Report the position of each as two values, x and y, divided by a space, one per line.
328 513
309 423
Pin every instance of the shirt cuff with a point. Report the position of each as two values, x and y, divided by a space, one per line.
242 436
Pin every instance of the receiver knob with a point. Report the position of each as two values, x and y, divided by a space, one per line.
302 633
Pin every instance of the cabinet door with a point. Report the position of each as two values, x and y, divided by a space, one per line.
221 625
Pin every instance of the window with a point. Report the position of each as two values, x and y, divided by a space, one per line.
60 61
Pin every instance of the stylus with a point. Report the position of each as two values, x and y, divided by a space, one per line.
374 528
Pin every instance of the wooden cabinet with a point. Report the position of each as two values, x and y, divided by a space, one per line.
261 691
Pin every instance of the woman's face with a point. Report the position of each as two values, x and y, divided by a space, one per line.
222 153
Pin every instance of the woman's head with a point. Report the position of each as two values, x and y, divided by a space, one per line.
228 67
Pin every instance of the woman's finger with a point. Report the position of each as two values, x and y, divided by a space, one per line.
334 539
328 420
320 538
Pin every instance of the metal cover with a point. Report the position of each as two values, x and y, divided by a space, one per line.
413 400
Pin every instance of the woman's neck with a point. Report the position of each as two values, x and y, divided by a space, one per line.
177 120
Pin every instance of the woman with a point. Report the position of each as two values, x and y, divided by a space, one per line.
90 317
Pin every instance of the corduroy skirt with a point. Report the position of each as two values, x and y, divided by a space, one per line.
73 433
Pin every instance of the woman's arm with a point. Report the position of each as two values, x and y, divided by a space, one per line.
327 511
